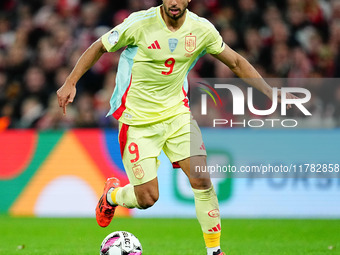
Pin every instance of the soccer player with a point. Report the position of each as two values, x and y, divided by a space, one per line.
150 101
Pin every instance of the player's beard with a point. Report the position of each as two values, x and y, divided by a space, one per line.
176 16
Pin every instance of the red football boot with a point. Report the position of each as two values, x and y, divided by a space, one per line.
105 211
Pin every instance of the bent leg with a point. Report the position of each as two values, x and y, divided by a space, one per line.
140 196
147 194
140 147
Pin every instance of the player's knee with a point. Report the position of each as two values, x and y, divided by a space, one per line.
148 200
199 183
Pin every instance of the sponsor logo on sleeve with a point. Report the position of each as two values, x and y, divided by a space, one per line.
113 38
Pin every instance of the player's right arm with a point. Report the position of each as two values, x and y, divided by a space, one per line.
67 92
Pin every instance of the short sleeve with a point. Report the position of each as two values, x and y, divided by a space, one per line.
215 44
120 36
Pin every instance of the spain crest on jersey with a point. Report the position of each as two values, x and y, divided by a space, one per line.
190 43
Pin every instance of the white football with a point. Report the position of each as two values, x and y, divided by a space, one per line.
121 243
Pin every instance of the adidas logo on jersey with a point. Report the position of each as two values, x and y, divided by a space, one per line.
155 46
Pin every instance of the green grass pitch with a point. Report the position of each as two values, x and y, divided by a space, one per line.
66 236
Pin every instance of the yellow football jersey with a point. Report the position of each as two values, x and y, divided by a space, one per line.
151 83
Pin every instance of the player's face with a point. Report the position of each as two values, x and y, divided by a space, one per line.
175 9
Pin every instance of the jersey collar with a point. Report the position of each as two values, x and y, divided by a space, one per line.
161 20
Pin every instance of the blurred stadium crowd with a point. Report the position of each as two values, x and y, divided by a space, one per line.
41 40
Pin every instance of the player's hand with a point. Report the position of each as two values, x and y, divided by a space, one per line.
288 96
66 94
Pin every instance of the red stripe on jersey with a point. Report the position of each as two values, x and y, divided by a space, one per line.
118 113
123 137
149 47
157 44
185 100
219 227
215 229
153 46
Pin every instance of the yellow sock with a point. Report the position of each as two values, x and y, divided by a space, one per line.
114 194
125 196
208 215
212 240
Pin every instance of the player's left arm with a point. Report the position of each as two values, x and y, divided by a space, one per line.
243 69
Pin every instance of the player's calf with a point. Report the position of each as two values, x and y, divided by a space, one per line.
208 215
140 196
147 194
147 200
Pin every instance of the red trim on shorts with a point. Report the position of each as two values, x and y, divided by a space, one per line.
186 104
185 100
123 137
119 112
175 165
